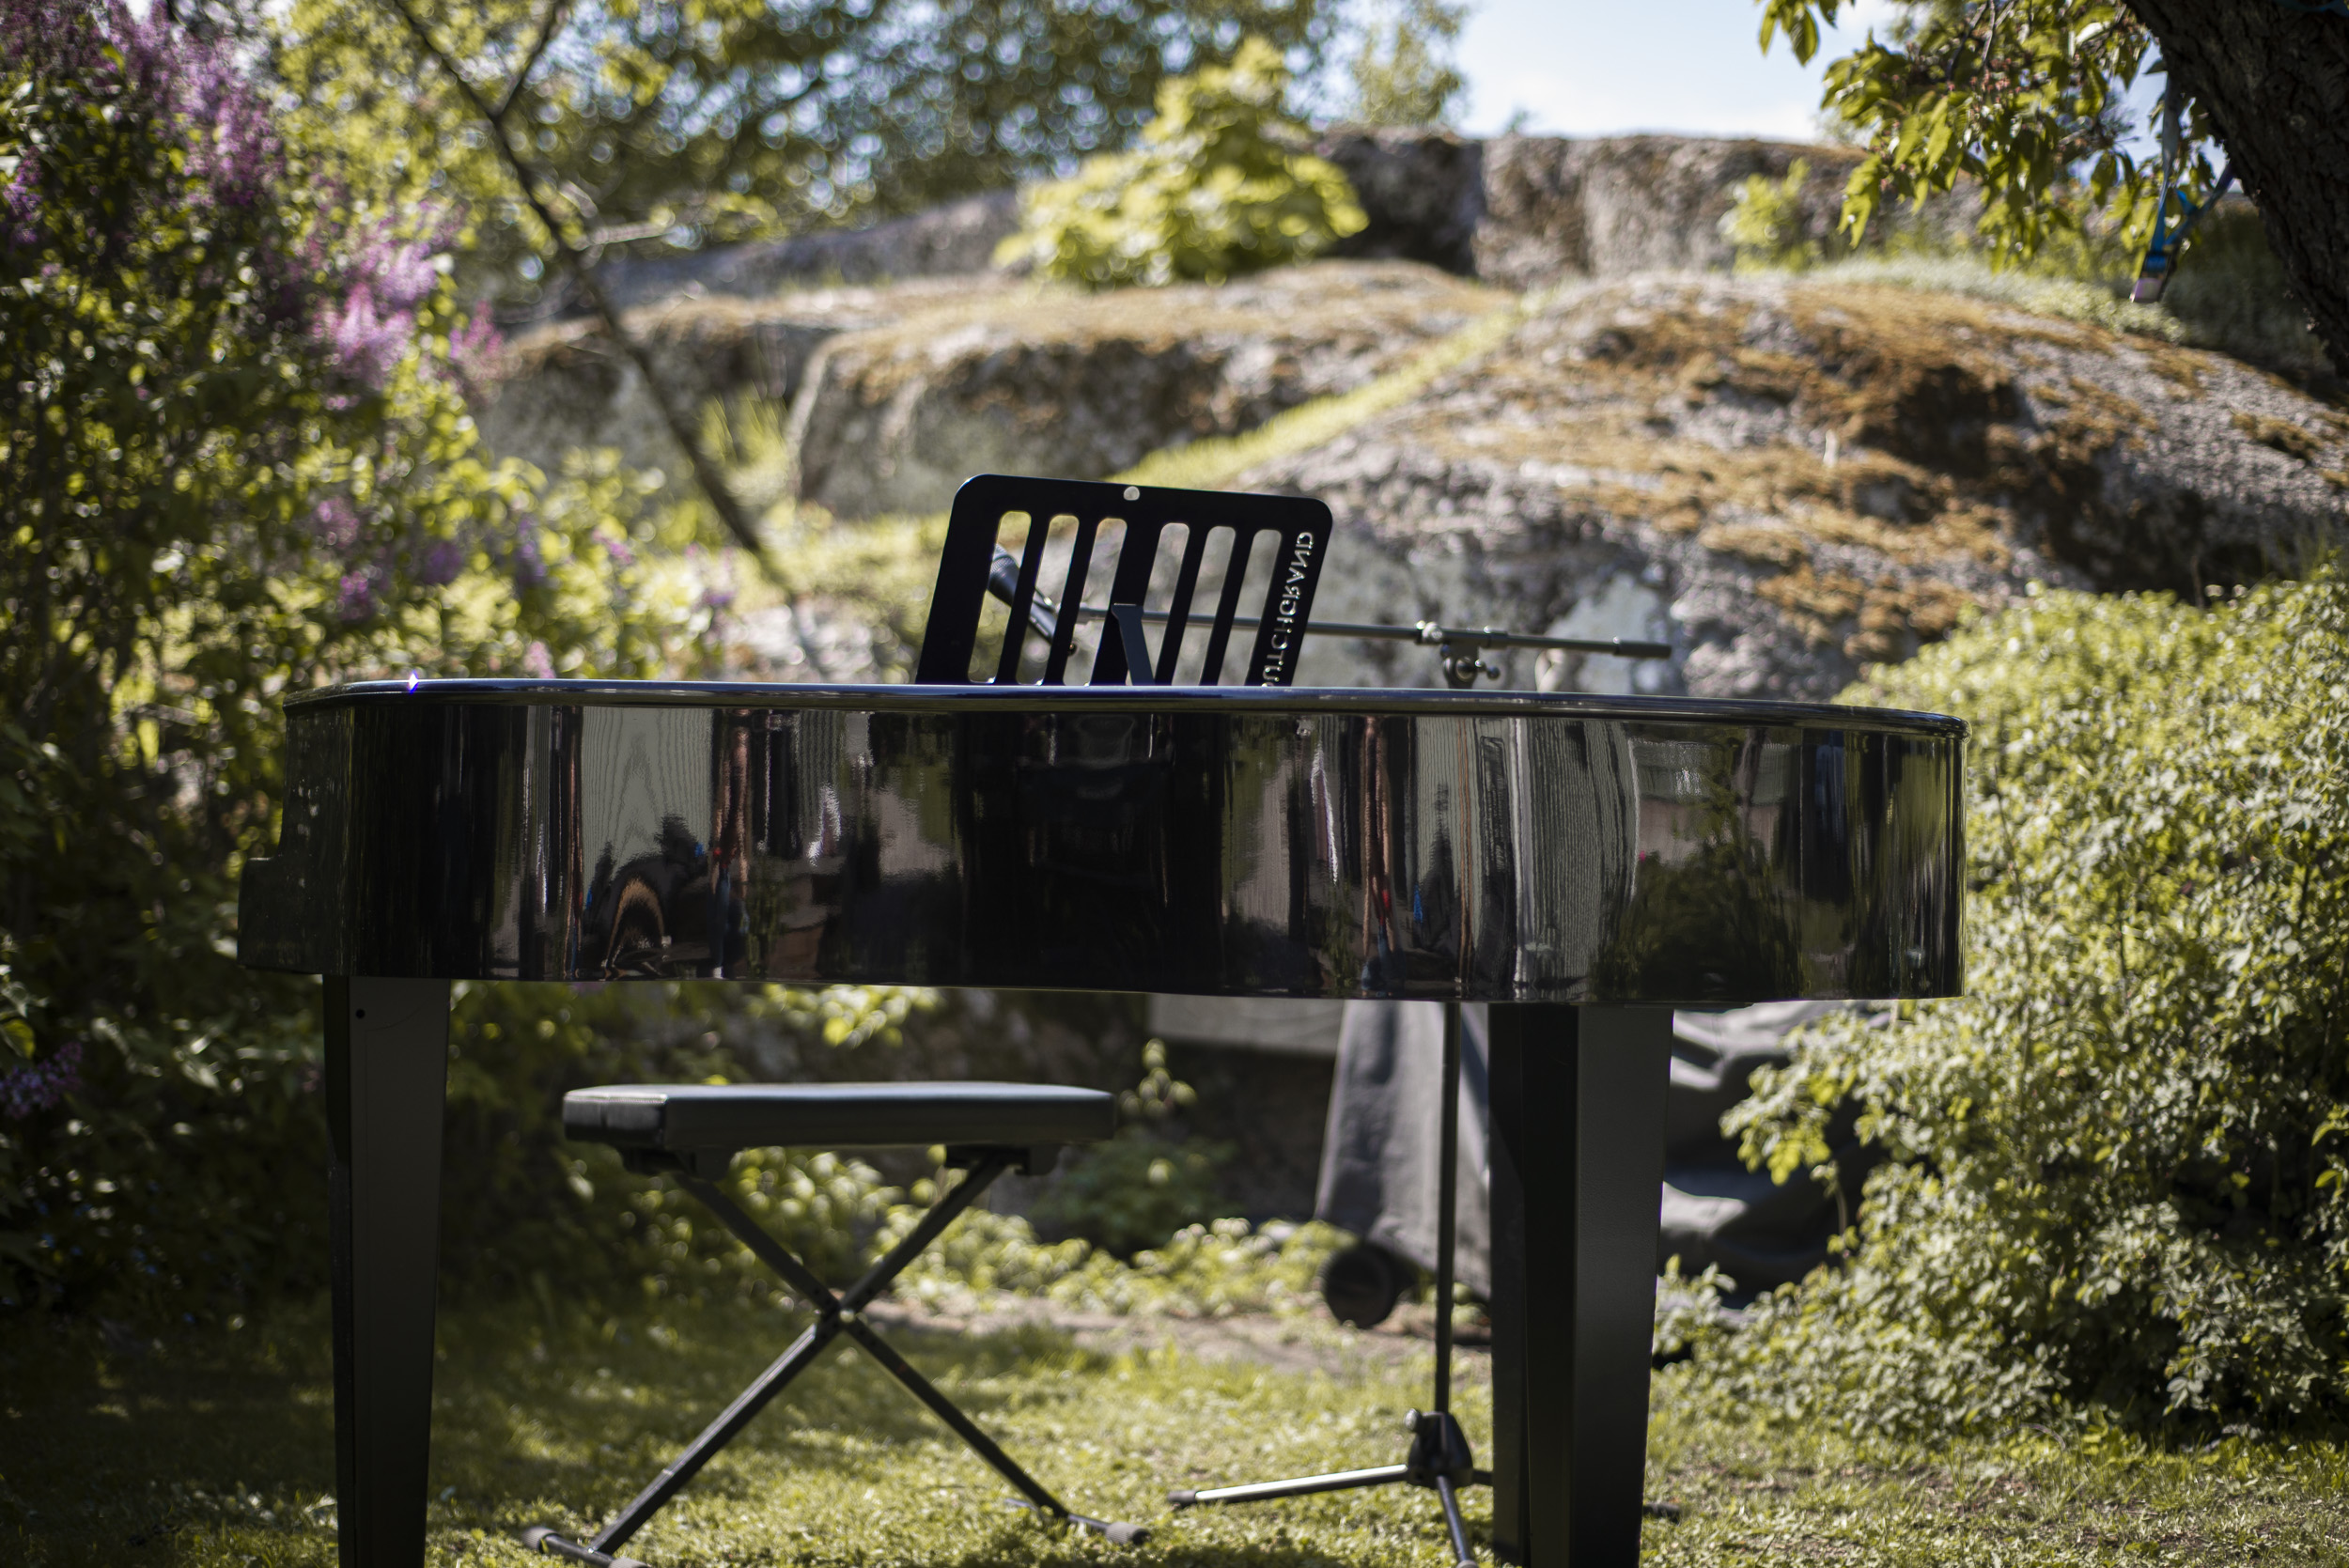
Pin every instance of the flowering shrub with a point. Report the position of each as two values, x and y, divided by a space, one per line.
2116 1173
237 462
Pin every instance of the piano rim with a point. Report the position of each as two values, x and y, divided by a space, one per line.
1229 701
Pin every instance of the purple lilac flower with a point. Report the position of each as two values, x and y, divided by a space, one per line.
356 598
354 294
617 546
19 205
440 562
218 126
233 154
474 347
368 330
538 663
39 1085
54 37
364 340
361 312
233 148
336 524
404 274
530 567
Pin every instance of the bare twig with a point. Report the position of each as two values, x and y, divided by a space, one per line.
706 472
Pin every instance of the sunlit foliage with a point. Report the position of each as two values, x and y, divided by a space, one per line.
2021 99
1403 66
2116 1173
1218 186
661 125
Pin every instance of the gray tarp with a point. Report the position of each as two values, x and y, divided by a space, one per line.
1379 1158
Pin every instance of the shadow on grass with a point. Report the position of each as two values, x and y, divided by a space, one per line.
587 1414
219 1446
215 1450
134 1451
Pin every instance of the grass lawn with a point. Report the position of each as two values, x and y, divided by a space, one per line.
217 1451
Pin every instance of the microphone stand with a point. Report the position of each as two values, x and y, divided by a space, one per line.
1439 1457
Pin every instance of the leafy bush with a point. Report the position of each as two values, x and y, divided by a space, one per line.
2116 1175
1143 1186
238 463
509 1231
1766 223
662 126
521 1205
1133 1191
1404 66
1218 187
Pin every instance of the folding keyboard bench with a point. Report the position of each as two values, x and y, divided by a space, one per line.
692 1131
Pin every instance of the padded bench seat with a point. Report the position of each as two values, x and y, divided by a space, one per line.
706 1118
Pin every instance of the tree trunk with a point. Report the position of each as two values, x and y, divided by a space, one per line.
2276 82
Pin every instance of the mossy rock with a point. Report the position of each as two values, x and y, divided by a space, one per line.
1791 478
1050 381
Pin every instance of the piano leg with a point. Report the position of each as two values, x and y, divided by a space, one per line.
1578 1163
386 1073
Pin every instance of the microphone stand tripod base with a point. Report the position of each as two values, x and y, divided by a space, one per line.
1439 1458
1439 1455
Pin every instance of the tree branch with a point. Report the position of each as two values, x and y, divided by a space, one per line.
706 472
530 61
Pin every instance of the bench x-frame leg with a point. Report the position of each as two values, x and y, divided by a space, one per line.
836 1316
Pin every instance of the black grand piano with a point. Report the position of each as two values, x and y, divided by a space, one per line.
1585 864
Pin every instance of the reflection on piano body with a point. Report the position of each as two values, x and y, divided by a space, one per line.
1233 842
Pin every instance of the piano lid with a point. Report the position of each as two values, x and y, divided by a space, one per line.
1206 841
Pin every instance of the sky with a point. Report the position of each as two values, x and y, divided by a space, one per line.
1579 68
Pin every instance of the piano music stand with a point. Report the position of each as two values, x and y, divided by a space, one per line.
972 566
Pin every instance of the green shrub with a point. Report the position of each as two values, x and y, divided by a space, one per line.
1134 1191
524 1208
523 1205
1212 1270
1143 1186
1766 223
2116 1173
1404 66
1218 187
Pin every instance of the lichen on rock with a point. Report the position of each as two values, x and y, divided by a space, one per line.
1809 477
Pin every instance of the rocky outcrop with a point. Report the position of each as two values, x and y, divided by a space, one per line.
955 239
565 385
747 320
1556 207
894 418
1421 190
1789 479
1516 209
